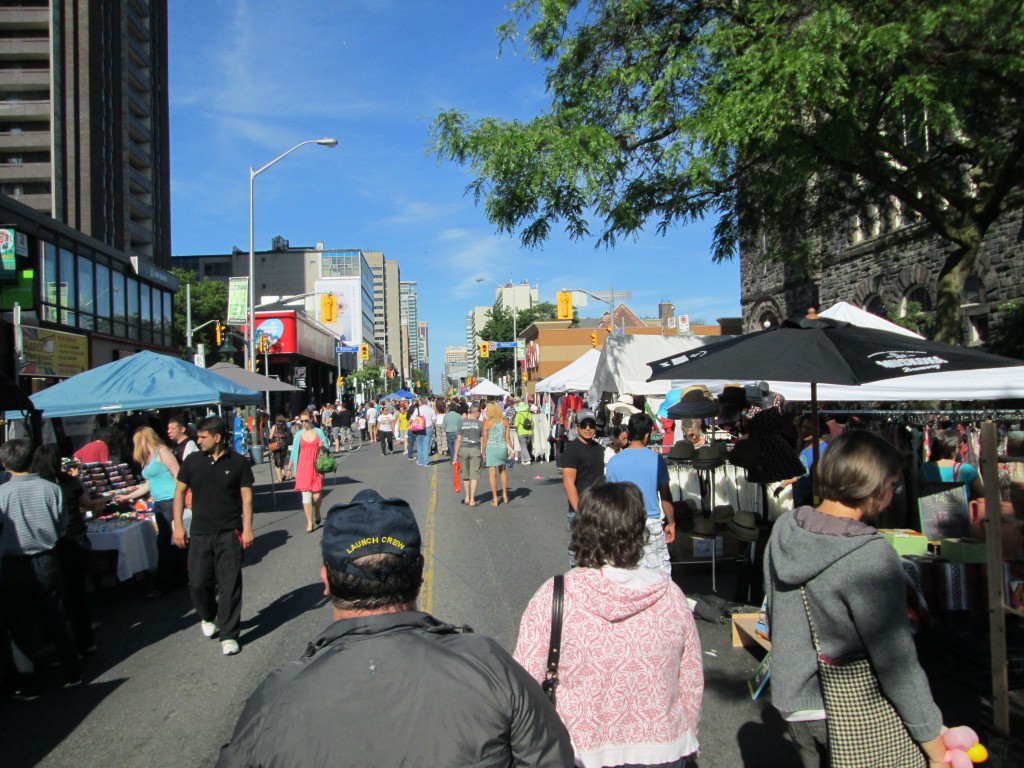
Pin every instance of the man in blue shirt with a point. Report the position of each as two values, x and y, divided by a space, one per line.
649 472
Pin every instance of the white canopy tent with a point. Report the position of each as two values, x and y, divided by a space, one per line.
848 313
577 376
623 368
488 388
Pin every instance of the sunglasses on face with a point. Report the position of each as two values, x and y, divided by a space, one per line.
588 425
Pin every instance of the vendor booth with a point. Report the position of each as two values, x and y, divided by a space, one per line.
578 376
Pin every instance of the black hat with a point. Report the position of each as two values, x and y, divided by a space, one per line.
369 525
695 403
682 451
709 456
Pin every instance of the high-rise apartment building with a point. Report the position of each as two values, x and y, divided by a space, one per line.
454 366
393 314
409 305
424 344
84 118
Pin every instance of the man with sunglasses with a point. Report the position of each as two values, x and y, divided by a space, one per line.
582 462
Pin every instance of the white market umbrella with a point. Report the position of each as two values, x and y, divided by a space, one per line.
488 388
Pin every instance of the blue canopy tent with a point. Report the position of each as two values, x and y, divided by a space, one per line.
401 394
141 382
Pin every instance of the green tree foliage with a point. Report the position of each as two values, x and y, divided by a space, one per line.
1006 336
915 319
209 302
790 116
368 380
499 328
420 384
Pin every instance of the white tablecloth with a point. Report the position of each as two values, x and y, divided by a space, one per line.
135 546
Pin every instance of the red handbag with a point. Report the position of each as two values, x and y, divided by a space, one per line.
457 477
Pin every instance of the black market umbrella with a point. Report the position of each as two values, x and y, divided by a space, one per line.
821 351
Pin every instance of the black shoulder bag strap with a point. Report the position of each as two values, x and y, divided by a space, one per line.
550 684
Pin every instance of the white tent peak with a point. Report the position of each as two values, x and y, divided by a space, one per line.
853 315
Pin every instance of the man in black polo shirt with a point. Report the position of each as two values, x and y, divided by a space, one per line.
582 464
221 483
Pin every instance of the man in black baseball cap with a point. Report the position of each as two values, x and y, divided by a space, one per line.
366 692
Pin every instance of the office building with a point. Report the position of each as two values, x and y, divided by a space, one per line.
423 342
455 370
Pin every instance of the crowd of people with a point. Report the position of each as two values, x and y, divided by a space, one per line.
607 669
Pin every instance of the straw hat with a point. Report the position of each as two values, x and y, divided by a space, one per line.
623 404
723 513
744 526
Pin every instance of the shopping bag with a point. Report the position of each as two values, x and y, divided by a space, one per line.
457 477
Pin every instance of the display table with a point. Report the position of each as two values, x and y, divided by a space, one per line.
134 541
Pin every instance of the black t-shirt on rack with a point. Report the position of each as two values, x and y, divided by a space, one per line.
216 490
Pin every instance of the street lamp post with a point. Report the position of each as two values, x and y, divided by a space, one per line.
515 332
250 348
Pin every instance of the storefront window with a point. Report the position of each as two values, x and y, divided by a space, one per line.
103 297
133 307
68 290
119 296
168 319
48 283
146 311
86 294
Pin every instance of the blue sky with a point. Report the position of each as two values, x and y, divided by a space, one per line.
251 78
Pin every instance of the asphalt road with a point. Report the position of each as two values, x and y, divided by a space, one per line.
160 694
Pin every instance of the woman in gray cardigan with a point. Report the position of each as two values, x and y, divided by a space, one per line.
855 588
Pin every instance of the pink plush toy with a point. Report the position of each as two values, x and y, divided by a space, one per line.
962 747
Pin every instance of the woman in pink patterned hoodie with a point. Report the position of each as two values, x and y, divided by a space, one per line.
630 680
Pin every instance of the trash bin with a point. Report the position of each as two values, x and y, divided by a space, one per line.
256 454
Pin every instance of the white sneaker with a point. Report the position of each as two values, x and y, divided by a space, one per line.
208 627
229 647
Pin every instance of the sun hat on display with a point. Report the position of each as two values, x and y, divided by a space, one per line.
703 526
723 513
744 526
710 456
682 451
695 403
623 404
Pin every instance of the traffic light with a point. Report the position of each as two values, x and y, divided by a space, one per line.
593 339
328 308
364 351
218 329
263 345
526 375
256 364
565 305
485 349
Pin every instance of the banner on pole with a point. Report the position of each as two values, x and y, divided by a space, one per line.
238 300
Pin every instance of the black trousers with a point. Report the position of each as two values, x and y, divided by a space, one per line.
386 438
32 591
74 553
171 561
215 580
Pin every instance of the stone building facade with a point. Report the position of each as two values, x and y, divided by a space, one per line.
883 268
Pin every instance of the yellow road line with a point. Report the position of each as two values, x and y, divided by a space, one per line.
427 592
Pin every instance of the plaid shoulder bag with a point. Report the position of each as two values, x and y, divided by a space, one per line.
863 727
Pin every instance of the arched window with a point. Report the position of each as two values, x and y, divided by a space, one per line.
875 306
920 295
767 319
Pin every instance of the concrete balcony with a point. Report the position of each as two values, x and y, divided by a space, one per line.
138 104
138 52
24 172
25 110
139 182
34 49
138 157
19 80
139 208
25 19
42 203
26 141
139 130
